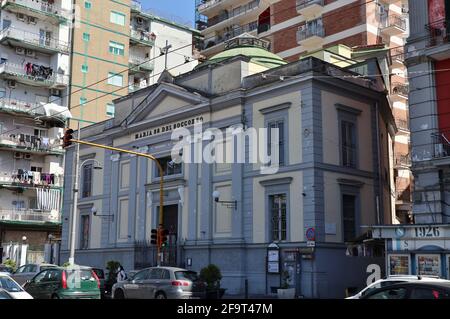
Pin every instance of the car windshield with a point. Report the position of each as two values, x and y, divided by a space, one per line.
9 285
186 275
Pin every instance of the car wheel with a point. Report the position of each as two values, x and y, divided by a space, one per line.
55 297
119 294
161 295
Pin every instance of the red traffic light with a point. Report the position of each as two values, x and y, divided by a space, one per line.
68 137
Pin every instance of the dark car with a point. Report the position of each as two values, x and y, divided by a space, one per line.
412 290
65 283
7 269
101 276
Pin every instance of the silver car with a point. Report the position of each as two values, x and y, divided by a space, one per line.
28 271
161 283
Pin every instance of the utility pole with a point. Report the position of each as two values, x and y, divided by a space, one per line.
75 201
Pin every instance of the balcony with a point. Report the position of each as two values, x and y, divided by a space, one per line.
136 6
397 58
216 44
439 36
311 35
310 9
402 162
441 144
393 25
26 179
402 125
36 75
37 9
399 92
21 107
25 39
139 64
141 37
23 143
29 216
235 16
133 87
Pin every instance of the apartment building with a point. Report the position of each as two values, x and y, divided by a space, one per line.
298 28
121 41
34 80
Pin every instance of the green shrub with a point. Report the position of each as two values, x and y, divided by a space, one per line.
212 276
11 263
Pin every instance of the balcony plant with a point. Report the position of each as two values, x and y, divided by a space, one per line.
285 292
211 275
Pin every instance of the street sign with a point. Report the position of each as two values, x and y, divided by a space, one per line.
310 243
311 234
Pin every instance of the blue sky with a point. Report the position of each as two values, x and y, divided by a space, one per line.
177 10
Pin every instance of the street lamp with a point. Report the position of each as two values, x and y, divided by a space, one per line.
227 203
98 166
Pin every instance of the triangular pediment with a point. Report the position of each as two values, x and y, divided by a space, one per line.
166 99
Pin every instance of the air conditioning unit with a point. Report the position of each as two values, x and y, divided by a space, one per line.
30 53
32 20
18 155
11 84
55 92
20 17
20 51
28 157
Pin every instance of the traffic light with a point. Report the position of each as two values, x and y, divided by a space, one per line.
163 237
154 237
68 137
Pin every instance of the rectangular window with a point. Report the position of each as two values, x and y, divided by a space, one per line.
117 18
429 265
348 144
168 167
348 214
115 79
84 68
86 36
398 265
83 101
280 126
84 229
110 109
116 48
86 190
87 4
278 216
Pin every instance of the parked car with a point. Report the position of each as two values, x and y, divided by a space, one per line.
412 290
6 269
5 295
392 280
28 271
101 276
161 283
12 288
61 283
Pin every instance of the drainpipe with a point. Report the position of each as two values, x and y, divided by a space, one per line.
380 181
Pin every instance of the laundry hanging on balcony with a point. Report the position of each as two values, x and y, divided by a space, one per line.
38 71
48 199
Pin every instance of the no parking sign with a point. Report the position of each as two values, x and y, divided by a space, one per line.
311 234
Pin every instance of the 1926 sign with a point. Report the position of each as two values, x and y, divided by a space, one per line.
427 232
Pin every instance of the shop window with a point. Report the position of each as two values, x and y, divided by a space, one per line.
399 265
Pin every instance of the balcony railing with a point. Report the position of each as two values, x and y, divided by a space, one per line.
136 6
402 161
441 143
142 36
29 216
393 21
141 63
39 6
439 32
18 71
34 39
305 3
31 143
309 30
210 42
398 54
400 89
402 124
207 4
14 105
24 178
241 10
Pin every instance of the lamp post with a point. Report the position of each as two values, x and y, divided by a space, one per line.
75 199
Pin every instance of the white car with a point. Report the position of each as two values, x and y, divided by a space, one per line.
391 280
12 287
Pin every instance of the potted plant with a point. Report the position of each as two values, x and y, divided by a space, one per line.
211 275
285 292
